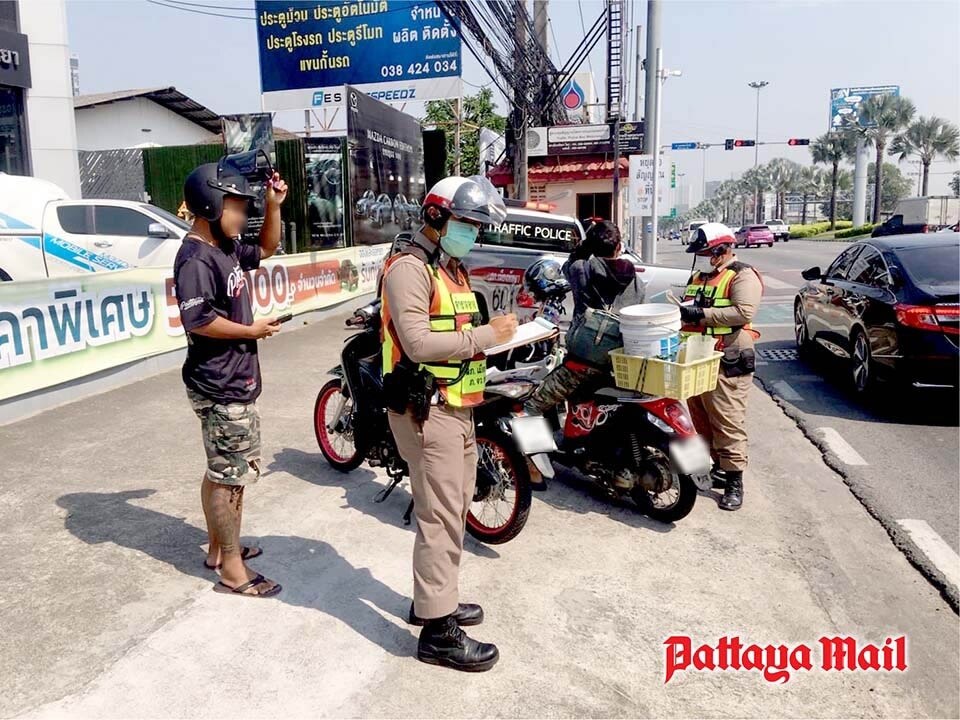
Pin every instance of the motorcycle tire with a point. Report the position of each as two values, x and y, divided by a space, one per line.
678 510
493 444
339 460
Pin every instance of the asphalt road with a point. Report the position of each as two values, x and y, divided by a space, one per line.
899 451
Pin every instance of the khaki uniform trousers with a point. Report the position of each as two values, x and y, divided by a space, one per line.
442 455
721 418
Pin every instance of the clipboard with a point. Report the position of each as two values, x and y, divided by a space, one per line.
534 331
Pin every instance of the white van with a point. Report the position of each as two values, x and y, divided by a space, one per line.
687 237
45 234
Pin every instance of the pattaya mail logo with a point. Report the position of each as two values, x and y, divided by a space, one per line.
777 662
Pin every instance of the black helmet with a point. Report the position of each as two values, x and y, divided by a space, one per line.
473 198
206 187
544 279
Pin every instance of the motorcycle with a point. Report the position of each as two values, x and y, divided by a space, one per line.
350 422
635 447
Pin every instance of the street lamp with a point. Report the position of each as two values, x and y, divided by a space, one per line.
650 253
757 85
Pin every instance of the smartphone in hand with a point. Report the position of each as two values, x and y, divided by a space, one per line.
284 318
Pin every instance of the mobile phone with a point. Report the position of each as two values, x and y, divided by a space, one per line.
284 318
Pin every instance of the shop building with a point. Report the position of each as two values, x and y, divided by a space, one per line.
38 136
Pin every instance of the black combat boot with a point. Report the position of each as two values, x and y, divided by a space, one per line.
733 496
442 642
466 614
719 477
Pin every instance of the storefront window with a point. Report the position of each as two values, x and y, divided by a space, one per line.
13 146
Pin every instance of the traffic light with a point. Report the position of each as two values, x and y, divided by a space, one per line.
798 141
744 143
728 144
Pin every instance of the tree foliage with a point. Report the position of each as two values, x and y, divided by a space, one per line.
479 111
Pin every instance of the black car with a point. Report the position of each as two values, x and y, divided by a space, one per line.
887 306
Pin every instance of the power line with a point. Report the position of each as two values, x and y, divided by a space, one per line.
583 28
214 7
199 12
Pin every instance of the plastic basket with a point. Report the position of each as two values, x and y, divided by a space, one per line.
664 378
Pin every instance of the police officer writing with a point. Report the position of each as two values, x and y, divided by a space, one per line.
721 303
434 373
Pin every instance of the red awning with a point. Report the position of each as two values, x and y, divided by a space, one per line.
563 169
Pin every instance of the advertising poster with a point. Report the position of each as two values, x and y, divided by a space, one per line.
640 186
584 139
324 157
53 331
845 101
395 51
386 181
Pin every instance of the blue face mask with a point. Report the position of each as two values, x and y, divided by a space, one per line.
459 239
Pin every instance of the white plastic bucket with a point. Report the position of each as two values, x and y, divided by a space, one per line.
650 330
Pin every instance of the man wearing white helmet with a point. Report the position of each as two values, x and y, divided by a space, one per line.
434 374
722 303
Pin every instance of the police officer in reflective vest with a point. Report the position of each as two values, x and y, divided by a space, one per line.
434 374
724 301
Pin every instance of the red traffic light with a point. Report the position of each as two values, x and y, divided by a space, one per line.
798 141
743 143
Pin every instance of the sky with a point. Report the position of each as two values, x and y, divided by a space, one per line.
803 48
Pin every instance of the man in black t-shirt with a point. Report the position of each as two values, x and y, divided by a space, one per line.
222 371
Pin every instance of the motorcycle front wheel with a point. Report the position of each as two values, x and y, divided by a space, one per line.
335 436
501 502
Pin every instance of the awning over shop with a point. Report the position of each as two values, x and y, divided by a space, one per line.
563 169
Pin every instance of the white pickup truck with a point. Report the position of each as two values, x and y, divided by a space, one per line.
780 230
43 233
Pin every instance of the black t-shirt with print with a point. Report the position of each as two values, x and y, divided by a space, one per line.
210 281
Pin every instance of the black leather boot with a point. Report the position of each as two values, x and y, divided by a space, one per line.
466 614
442 642
719 478
733 496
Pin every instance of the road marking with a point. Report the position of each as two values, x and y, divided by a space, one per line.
840 447
935 548
776 284
778 354
786 392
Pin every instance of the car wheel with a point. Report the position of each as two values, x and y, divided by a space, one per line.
861 364
800 330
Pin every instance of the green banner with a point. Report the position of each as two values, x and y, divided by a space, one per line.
57 330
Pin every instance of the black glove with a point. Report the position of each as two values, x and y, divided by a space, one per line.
691 315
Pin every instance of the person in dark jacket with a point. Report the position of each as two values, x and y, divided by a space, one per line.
599 279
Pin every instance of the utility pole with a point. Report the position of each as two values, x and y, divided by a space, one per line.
861 160
757 85
615 84
519 105
636 118
651 139
306 123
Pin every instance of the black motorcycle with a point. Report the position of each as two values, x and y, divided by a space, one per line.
350 421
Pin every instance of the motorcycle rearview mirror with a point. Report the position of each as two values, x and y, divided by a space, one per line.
812 273
254 165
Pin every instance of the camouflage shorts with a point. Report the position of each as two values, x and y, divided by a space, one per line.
231 438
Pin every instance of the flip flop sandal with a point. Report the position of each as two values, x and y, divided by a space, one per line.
248 553
242 589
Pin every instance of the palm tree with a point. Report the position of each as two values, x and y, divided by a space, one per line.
809 181
955 183
784 177
927 137
832 149
758 179
880 118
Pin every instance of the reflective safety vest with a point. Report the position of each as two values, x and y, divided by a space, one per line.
713 291
453 307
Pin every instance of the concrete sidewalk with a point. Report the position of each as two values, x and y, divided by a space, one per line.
107 609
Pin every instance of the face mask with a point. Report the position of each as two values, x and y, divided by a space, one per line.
459 239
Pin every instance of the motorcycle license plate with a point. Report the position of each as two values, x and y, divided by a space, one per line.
532 434
691 456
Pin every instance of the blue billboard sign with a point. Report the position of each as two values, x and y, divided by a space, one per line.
845 101
392 50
